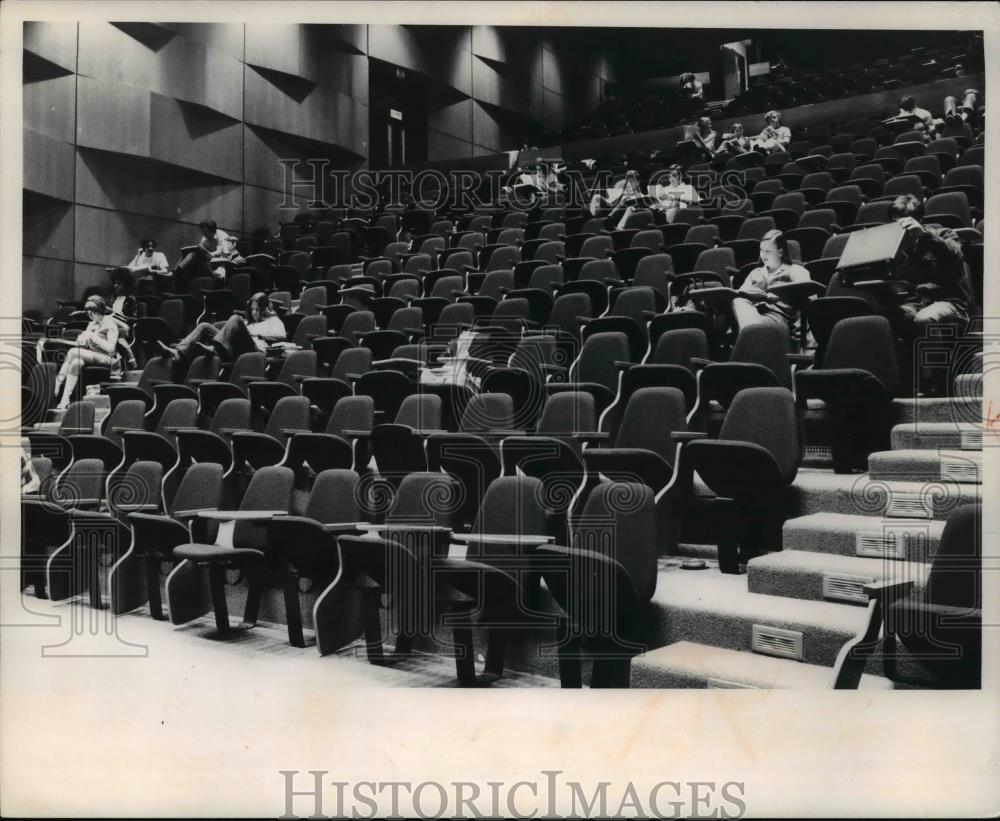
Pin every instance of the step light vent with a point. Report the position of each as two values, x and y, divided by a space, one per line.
774 641
910 505
839 587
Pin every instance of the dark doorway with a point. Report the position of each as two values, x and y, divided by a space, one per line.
398 106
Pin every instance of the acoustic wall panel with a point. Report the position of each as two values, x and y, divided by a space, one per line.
48 166
112 117
226 38
50 106
261 208
48 227
145 187
44 280
452 117
446 147
154 58
56 42
106 237
195 137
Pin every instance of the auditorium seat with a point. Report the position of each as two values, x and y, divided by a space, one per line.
845 200
950 210
750 468
594 368
155 535
613 552
268 494
857 382
965 179
941 628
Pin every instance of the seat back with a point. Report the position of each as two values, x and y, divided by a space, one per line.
309 328
488 411
201 485
597 270
873 212
334 497
290 413
766 344
247 364
619 521
649 418
597 247
141 485
351 360
511 505
84 479
351 413
232 414
566 309
420 411
425 499
756 227
179 413
953 204
403 318
79 418
766 417
596 362
568 412
865 343
679 346
955 579
270 488
297 363
127 415
793 202
717 260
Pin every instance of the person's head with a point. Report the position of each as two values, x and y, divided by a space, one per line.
774 250
122 282
906 205
704 125
675 174
260 307
208 228
773 118
907 104
148 246
737 129
687 78
95 306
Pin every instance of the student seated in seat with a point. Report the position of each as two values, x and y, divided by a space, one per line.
735 142
756 303
148 263
196 262
775 136
97 344
237 336
673 196
931 259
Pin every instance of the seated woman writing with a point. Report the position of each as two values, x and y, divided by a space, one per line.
97 344
775 136
756 302
235 337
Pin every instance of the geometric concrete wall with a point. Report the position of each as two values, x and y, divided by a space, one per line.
134 129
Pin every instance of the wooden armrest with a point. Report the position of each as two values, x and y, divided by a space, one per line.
700 362
231 431
357 434
292 431
253 378
190 514
502 538
688 435
241 515
390 528
799 358
888 589
136 507
623 366
341 527
592 436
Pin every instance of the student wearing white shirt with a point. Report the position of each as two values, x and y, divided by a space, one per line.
674 196
148 259
238 336
756 302
908 108
775 136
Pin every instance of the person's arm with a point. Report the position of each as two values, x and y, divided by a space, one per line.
159 262
943 244
753 286
137 262
106 344
271 329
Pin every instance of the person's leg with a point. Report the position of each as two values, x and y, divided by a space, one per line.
745 313
73 366
203 333
235 338
932 380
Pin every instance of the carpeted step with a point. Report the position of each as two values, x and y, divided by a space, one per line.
969 385
840 534
824 492
800 574
965 409
708 607
938 435
687 664
926 466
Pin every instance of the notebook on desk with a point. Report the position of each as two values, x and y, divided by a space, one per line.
869 254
